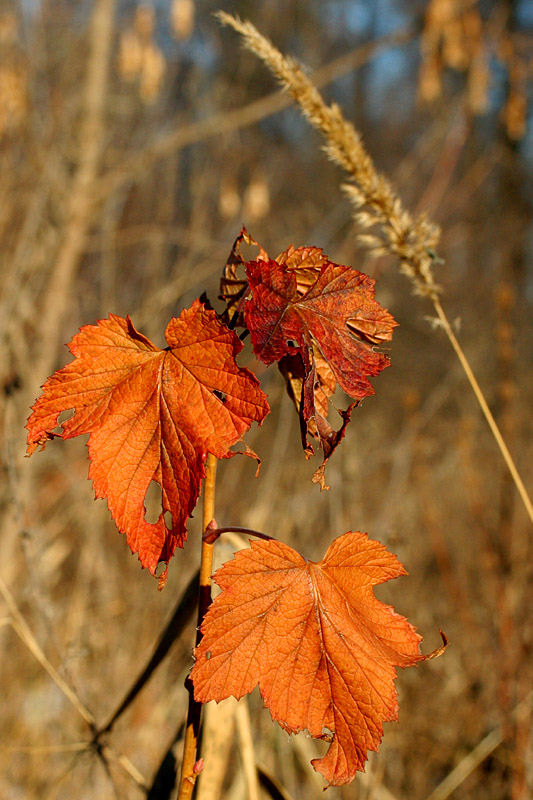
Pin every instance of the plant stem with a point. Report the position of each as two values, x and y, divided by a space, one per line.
212 534
485 409
188 776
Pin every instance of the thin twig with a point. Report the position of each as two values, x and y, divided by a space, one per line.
173 628
190 747
21 628
126 765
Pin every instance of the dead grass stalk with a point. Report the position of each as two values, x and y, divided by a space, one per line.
412 240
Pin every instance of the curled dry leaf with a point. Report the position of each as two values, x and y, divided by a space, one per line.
319 321
323 334
152 415
315 639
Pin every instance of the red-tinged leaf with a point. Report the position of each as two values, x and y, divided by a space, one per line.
321 322
313 636
305 263
336 323
152 415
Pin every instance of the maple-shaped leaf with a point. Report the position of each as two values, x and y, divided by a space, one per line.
320 321
315 639
152 415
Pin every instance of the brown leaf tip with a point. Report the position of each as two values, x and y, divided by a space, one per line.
440 650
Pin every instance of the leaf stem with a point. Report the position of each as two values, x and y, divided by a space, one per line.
211 534
190 747
235 316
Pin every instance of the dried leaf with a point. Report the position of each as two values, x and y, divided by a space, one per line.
321 322
233 284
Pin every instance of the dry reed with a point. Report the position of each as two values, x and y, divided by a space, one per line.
412 240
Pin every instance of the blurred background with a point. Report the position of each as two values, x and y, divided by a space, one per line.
135 139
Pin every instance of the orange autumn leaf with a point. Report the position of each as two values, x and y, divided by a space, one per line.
315 639
152 415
